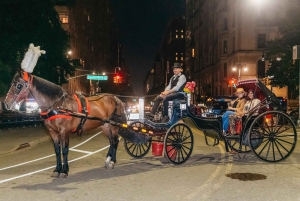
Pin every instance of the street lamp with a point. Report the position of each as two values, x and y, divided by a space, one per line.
239 70
116 69
80 76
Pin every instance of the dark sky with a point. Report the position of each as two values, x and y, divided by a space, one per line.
142 24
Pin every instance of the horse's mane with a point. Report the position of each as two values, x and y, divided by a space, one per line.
47 88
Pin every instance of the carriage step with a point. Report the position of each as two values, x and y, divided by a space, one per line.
233 137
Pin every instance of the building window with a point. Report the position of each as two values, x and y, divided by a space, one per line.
176 53
225 24
261 41
176 58
225 47
233 43
181 30
176 30
176 36
193 52
64 18
181 58
181 35
225 69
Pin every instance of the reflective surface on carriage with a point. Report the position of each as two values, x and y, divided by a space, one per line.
271 135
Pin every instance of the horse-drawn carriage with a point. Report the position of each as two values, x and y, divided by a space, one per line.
271 135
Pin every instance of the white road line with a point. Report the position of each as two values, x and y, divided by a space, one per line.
81 151
27 162
76 159
31 173
49 155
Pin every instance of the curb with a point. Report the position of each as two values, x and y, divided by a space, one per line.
26 145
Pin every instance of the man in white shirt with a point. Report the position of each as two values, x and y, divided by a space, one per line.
173 91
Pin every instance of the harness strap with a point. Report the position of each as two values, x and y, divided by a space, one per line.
53 114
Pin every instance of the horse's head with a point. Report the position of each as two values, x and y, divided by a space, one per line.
19 90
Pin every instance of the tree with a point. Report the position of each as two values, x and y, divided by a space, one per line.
24 22
279 53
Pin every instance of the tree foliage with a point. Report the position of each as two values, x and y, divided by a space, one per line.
31 21
280 52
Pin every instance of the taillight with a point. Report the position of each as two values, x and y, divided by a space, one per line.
268 117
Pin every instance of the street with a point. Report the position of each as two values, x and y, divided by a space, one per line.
210 174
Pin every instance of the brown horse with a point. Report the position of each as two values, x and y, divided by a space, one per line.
51 98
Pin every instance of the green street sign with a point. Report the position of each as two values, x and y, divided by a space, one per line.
97 77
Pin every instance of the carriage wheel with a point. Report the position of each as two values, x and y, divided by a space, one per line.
137 150
178 143
273 136
234 144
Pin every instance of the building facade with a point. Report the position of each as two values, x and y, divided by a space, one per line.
94 42
225 41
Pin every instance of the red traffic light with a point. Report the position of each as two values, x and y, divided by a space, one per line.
117 79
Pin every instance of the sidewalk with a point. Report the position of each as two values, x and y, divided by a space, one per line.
15 139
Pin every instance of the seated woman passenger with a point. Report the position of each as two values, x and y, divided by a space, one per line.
231 110
249 105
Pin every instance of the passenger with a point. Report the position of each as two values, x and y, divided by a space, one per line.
173 91
240 102
251 103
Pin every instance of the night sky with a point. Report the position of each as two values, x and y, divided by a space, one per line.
142 24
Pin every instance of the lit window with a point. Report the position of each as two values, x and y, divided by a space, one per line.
176 36
181 53
181 58
65 20
193 52
176 53
181 30
176 58
176 30
181 35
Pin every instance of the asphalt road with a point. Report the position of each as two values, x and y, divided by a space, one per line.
210 174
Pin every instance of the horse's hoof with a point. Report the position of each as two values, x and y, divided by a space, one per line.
63 175
55 174
110 165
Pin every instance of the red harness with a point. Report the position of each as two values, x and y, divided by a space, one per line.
53 114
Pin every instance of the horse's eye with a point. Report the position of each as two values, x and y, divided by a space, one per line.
19 86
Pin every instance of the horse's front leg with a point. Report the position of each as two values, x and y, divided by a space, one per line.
65 152
56 143
112 134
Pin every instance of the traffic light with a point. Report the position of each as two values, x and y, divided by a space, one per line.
232 83
117 79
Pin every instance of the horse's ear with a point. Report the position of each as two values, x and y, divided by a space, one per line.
24 75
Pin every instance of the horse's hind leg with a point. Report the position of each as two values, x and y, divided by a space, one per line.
112 134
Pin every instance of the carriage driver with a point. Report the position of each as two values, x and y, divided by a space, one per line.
173 91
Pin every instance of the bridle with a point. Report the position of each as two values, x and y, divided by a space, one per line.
22 86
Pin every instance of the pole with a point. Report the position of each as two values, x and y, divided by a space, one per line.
298 122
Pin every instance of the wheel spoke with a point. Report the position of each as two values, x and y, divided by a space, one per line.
285 141
279 149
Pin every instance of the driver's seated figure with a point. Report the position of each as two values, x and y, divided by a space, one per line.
173 91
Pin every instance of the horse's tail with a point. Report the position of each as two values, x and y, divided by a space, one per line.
121 111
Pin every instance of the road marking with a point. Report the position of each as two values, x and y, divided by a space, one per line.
81 151
76 159
209 182
49 155
31 173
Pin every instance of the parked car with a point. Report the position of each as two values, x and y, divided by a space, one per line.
283 103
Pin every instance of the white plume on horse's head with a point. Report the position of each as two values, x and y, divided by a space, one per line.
31 58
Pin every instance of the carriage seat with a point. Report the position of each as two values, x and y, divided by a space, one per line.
176 102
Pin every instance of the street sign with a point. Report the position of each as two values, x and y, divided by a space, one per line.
97 77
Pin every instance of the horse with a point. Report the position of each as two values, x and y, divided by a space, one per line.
51 98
